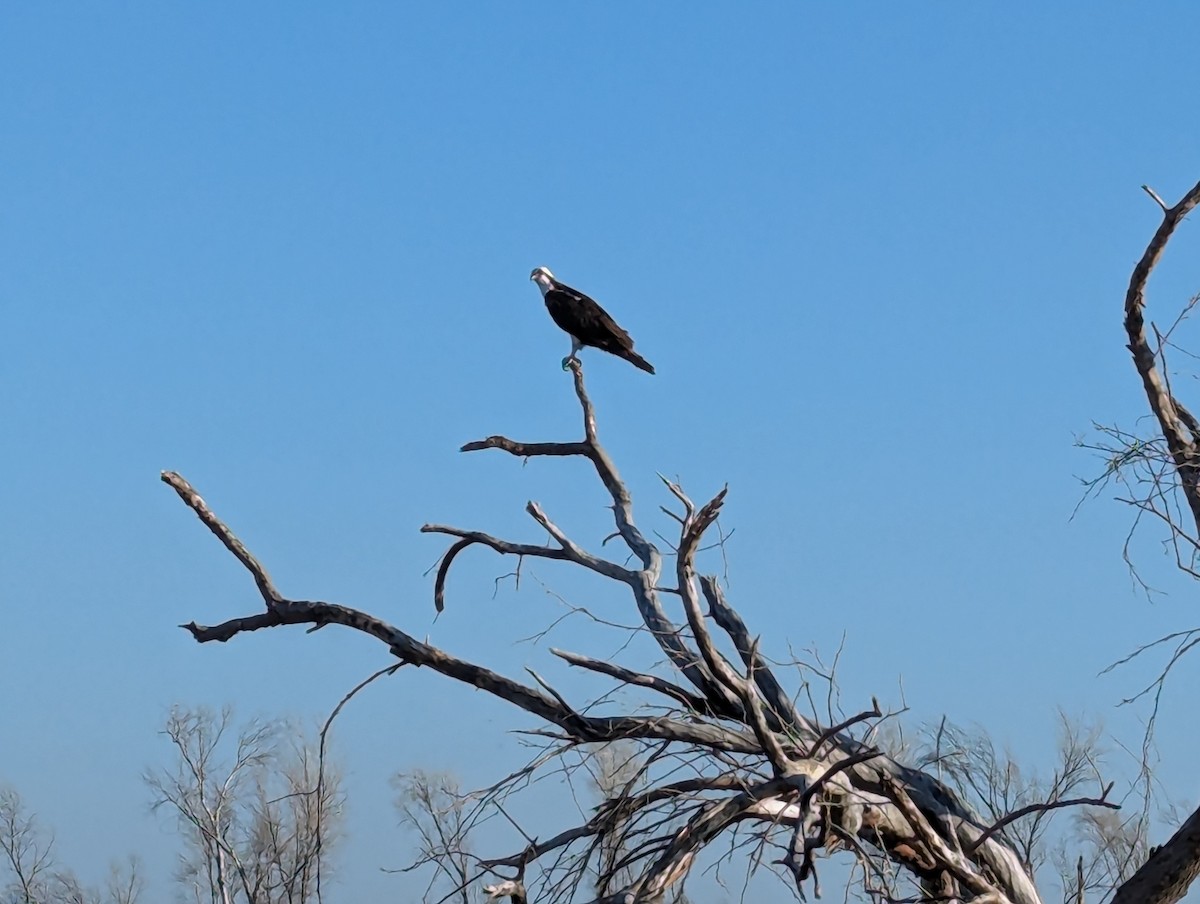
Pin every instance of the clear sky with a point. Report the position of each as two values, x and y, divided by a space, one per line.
877 253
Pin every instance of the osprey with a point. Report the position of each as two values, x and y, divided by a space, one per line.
585 321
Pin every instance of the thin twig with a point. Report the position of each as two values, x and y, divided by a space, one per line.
387 670
873 713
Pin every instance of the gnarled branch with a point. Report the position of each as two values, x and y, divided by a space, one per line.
1180 441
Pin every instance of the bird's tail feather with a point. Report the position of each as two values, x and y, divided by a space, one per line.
638 361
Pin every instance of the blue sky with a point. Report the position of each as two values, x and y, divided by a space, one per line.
876 252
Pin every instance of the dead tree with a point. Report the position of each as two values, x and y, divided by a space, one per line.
1161 474
722 746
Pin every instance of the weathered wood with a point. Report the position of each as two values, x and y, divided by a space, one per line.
725 715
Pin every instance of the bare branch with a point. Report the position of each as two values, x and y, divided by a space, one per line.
1182 448
730 621
574 552
1157 200
771 746
694 702
193 501
689 507
527 450
730 683
321 748
503 547
439 584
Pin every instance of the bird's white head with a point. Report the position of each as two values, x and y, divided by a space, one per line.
544 278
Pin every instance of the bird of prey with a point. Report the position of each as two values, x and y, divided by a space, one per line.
585 321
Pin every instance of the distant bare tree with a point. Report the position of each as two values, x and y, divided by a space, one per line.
1021 803
616 772
30 873
260 821
125 883
432 805
28 850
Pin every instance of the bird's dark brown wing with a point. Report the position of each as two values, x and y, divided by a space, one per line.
582 317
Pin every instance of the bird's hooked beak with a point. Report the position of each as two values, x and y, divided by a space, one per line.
541 275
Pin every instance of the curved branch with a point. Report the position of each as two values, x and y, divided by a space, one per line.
470 538
1007 819
503 547
439 583
832 732
1183 450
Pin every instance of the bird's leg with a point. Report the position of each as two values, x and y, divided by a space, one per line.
576 345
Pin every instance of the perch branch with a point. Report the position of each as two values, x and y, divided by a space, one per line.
607 472
643 583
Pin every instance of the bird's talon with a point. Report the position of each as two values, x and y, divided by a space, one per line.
566 363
